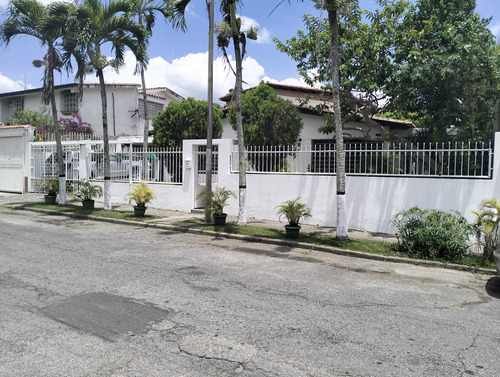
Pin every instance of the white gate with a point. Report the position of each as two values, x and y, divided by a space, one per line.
43 163
200 157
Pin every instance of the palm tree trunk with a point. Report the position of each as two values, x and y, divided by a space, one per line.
107 164
341 230
210 100
146 126
61 168
242 174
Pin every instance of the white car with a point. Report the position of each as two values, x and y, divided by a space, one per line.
51 169
120 166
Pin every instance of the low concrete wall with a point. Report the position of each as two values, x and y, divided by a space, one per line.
371 201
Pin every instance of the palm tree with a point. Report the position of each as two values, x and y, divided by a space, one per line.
92 28
334 8
146 10
179 12
233 30
46 23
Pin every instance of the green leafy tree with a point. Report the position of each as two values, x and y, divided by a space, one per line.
365 64
446 69
184 120
41 119
268 120
47 24
91 28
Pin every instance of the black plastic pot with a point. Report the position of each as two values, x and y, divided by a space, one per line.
139 211
88 204
50 199
292 231
219 219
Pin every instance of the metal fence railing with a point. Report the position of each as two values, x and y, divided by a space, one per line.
44 163
461 160
163 165
65 136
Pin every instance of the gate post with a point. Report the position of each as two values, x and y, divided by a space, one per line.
83 167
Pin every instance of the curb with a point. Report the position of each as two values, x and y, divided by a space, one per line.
270 241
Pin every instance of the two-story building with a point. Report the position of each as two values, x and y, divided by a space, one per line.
125 105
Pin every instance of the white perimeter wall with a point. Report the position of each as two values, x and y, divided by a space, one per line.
371 201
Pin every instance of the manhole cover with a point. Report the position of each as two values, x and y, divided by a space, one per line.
103 314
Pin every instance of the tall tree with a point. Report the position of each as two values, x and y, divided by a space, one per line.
447 69
179 19
334 9
366 60
229 29
145 11
46 23
93 27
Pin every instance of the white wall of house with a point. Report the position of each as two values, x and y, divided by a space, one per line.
122 102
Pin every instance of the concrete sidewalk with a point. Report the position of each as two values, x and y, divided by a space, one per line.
169 217
175 216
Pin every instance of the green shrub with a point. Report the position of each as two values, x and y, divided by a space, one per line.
487 226
432 234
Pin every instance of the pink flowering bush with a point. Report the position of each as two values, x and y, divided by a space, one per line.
75 125
69 125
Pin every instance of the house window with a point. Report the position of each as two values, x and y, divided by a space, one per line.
69 102
153 109
16 104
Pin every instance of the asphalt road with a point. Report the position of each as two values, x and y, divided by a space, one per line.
86 298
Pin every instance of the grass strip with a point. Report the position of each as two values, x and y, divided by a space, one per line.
98 212
355 244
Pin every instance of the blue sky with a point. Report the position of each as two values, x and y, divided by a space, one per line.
179 60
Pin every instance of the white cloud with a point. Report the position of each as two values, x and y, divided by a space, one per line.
4 3
9 85
495 29
188 75
263 35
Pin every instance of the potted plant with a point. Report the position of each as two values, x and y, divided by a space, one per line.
141 194
295 212
216 201
87 192
50 186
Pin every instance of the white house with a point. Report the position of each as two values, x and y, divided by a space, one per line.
355 132
125 105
